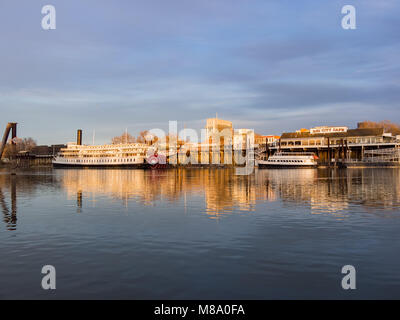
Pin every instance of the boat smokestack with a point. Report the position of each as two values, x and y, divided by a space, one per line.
79 138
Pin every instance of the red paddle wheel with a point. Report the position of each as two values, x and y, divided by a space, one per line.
157 161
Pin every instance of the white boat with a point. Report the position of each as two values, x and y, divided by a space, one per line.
290 160
113 155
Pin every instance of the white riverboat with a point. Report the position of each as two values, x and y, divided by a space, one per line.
290 160
113 155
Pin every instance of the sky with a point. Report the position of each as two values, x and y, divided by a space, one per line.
272 66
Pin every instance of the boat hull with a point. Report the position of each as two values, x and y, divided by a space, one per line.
102 166
289 160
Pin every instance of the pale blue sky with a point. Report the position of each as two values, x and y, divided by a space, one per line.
269 65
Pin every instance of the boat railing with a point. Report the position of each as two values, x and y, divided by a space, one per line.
294 154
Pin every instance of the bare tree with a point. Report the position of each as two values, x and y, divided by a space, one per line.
24 144
144 137
124 138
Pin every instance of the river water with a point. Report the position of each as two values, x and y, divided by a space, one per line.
200 233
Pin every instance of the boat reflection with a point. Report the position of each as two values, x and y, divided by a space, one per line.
215 192
222 191
323 191
335 191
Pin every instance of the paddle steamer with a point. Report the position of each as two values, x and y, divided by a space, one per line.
114 155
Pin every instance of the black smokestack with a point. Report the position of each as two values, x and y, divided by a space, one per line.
79 138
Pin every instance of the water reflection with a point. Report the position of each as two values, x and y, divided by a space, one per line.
14 185
335 191
324 191
218 191
10 216
222 191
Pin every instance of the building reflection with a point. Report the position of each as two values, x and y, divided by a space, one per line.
324 191
221 190
334 191
10 214
25 184
217 192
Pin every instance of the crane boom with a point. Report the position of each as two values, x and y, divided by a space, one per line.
11 126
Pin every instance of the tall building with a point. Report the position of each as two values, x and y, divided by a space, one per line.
241 139
215 127
219 136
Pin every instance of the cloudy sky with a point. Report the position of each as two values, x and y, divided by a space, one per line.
269 65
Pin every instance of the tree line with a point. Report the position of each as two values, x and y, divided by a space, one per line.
387 125
143 137
24 144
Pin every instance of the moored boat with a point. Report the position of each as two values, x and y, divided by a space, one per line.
290 160
114 155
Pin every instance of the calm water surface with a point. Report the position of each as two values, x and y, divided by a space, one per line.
200 233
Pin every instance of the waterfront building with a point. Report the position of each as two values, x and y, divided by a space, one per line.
216 127
265 140
303 130
336 143
242 139
221 146
326 129
219 141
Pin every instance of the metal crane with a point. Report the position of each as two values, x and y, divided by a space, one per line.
11 126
